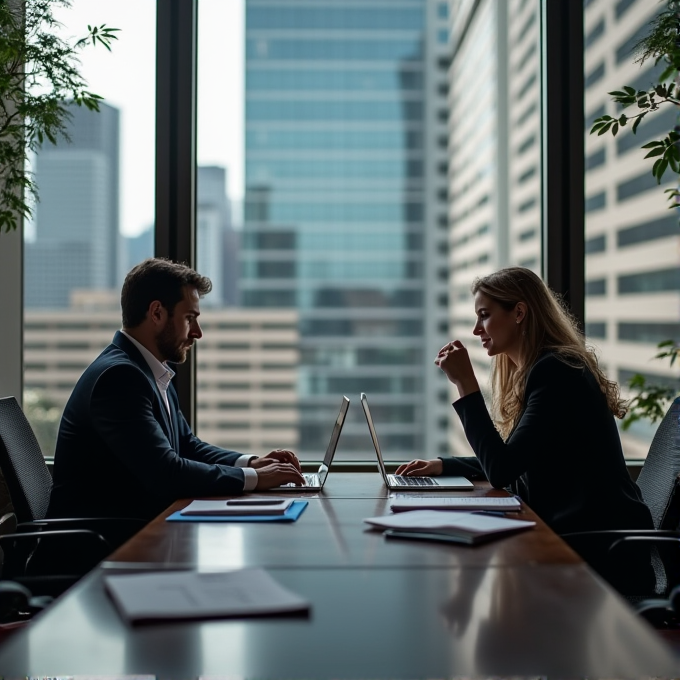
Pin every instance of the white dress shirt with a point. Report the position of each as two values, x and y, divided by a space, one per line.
163 375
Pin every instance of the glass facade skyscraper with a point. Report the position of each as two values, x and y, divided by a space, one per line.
341 205
76 221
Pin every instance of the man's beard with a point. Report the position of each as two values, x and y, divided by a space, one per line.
168 345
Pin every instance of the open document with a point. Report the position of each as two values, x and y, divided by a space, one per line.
177 595
465 527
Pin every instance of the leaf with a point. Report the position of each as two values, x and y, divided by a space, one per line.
655 152
622 120
604 129
669 72
637 122
629 89
651 145
660 170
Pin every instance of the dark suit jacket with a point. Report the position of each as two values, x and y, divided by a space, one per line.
118 453
564 456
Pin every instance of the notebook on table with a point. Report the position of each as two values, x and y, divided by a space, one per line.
403 483
458 527
316 480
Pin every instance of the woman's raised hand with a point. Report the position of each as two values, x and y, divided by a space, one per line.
454 360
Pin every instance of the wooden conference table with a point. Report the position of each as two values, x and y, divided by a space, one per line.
523 605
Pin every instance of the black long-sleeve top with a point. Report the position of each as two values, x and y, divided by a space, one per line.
563 457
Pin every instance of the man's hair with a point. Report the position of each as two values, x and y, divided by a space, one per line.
157 278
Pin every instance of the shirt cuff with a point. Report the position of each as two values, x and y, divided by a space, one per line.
250 481
243 461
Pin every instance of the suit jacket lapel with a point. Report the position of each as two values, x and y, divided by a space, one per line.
169 427
174 411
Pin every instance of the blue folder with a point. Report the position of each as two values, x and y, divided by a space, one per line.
293 512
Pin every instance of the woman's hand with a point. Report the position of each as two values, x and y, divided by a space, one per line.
421 468
453 359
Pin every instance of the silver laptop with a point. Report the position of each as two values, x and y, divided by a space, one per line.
401 483
315 481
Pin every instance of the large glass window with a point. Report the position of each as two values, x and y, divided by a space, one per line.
632 257
95 215
326 120
494 178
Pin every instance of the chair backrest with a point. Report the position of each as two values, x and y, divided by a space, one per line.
22 463
659 479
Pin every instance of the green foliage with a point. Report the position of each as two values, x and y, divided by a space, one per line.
44 414
662 44
650 401
39 79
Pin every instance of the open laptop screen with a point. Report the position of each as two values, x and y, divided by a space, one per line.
374 437
333 443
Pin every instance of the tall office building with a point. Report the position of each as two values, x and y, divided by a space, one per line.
345 207
494 147
77 219
135 249
216 241
632 239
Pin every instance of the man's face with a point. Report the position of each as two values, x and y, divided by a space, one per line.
181 328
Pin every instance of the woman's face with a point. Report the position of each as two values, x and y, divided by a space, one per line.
498 329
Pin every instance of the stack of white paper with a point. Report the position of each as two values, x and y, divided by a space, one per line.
469 527
165 595
238 507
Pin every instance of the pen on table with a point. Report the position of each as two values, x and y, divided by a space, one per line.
492 513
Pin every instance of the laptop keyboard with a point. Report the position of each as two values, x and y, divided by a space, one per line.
414 481
310 480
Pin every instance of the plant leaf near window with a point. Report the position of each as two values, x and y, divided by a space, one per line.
39 80
662 45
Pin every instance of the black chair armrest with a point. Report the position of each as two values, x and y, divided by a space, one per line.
66 551
615 534
606 540
116 530
626 557
85 535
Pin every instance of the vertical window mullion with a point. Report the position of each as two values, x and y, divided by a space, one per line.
175 223
562 151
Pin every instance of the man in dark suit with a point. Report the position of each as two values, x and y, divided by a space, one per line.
124 448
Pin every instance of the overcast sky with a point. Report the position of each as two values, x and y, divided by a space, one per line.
126 76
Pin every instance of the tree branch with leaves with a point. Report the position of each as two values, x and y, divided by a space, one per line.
660 45
39 80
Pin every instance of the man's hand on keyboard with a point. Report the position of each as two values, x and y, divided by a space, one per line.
276 456
276 474
421 468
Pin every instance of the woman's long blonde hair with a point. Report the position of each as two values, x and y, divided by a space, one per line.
547 326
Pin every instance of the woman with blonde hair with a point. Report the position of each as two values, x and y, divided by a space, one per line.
553 440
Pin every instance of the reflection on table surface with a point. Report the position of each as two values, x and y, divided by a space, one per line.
401 623
329 533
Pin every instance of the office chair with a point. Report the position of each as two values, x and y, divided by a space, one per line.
32 549
659 482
